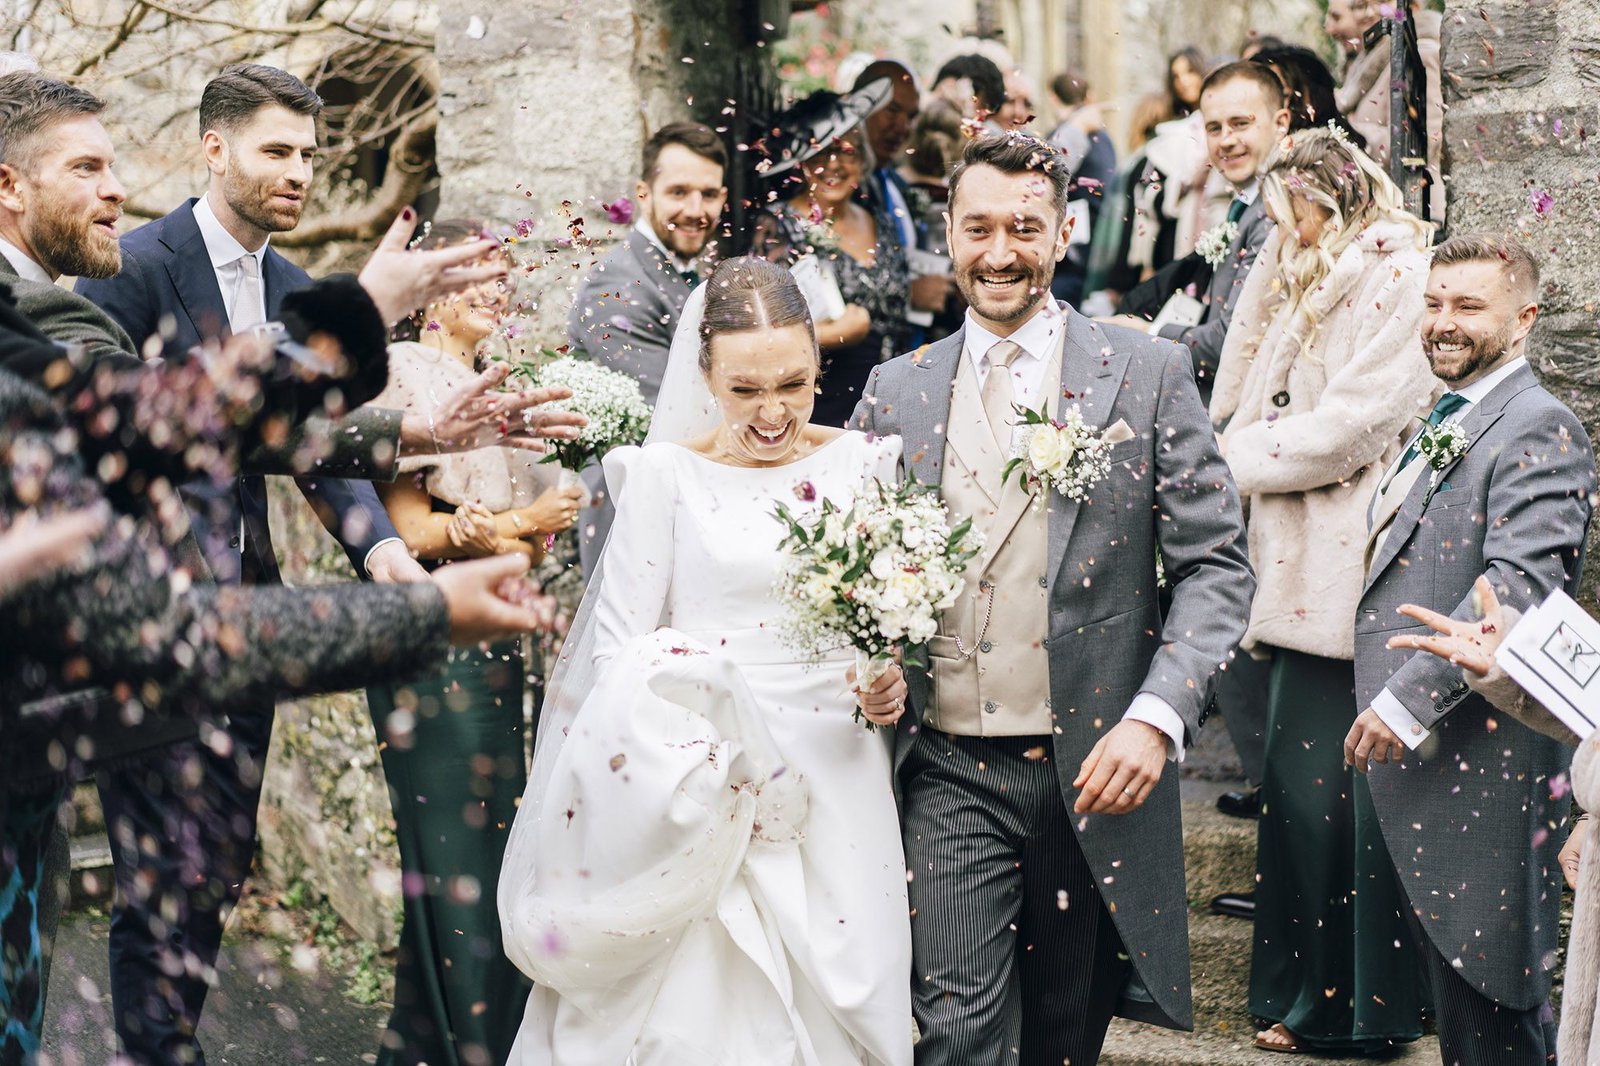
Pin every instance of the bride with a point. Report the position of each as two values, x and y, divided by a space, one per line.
707 866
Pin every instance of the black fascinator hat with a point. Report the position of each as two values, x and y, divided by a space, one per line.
812 124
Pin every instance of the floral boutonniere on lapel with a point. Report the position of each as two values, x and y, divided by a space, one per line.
1441 445
1064 455
1214 243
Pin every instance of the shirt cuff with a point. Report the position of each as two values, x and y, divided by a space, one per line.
366 561
1152 710
1401 722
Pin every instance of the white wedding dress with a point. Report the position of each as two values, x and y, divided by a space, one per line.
711 872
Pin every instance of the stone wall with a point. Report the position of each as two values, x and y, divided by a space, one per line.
544 103
1520 83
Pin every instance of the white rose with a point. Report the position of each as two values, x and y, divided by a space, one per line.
1044 449
913 536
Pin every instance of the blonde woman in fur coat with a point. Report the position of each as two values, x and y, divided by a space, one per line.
1321 377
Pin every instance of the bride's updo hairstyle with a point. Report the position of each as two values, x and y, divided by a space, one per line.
746 294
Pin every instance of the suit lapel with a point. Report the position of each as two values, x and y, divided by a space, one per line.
654 264
194 280
1091 377
1475 423
924 413
278 279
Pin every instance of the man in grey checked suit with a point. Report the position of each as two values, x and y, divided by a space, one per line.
1043 840
627 309
1463 794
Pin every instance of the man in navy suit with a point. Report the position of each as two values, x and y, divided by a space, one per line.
183 827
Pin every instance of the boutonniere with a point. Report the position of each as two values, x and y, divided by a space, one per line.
1441 445
1214 243
1064 455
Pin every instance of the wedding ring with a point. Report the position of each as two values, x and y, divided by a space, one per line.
1127 792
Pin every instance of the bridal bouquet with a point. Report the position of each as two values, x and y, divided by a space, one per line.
873 577
616 410
1064 455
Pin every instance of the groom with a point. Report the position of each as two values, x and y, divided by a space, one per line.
1043 841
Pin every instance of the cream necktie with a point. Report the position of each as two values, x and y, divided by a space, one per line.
247 310
999 393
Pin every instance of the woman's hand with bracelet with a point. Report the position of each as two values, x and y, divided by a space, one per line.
555 510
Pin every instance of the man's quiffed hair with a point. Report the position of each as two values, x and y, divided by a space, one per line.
701 140
1264 77
1017 153
231 98
1514 258
30 104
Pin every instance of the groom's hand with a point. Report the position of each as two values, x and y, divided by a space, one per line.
1121 770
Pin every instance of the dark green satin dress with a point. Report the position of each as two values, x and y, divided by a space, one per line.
1332 959
453 752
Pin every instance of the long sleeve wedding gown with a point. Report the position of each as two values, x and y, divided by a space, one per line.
714 874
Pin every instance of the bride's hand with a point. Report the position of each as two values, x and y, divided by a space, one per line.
885 701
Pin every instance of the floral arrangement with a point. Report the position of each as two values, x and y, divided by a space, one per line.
1214 243
616 409
1064 455
1442 445
873 577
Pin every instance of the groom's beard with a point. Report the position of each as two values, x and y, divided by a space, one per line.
1014 302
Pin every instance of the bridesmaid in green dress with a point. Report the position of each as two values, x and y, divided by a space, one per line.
1322 377
453 746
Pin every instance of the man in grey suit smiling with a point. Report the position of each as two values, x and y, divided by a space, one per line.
1043 839
1463 795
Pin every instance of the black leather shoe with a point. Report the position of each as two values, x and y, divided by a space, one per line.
1240 804
1235 905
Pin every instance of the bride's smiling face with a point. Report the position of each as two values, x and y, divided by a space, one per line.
764 382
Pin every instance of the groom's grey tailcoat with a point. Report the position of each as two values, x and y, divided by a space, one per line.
1168 488
1468 817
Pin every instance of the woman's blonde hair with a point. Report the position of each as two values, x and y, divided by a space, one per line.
1322 167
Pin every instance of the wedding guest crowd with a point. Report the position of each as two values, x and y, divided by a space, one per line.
1402 474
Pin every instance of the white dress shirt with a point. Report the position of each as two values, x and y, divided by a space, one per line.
225 251
25 267
1386 705
1037 337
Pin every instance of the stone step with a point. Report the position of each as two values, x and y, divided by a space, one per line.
1135 1044
92 879
1219 852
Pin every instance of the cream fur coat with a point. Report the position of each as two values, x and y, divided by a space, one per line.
1309 468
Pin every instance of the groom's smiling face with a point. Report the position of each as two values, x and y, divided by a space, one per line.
1006 236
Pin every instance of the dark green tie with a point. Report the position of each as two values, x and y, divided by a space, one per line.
692 276
1236 210
1448 404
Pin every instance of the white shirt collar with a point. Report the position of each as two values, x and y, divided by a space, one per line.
1249 193
682 265
223 248
23 264
1036 337
1475 393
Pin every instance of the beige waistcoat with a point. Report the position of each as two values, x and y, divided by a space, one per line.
991 670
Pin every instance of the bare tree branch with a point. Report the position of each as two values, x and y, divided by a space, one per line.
301 29
135 16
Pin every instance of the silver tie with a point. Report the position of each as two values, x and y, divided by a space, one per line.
247 310
999 394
